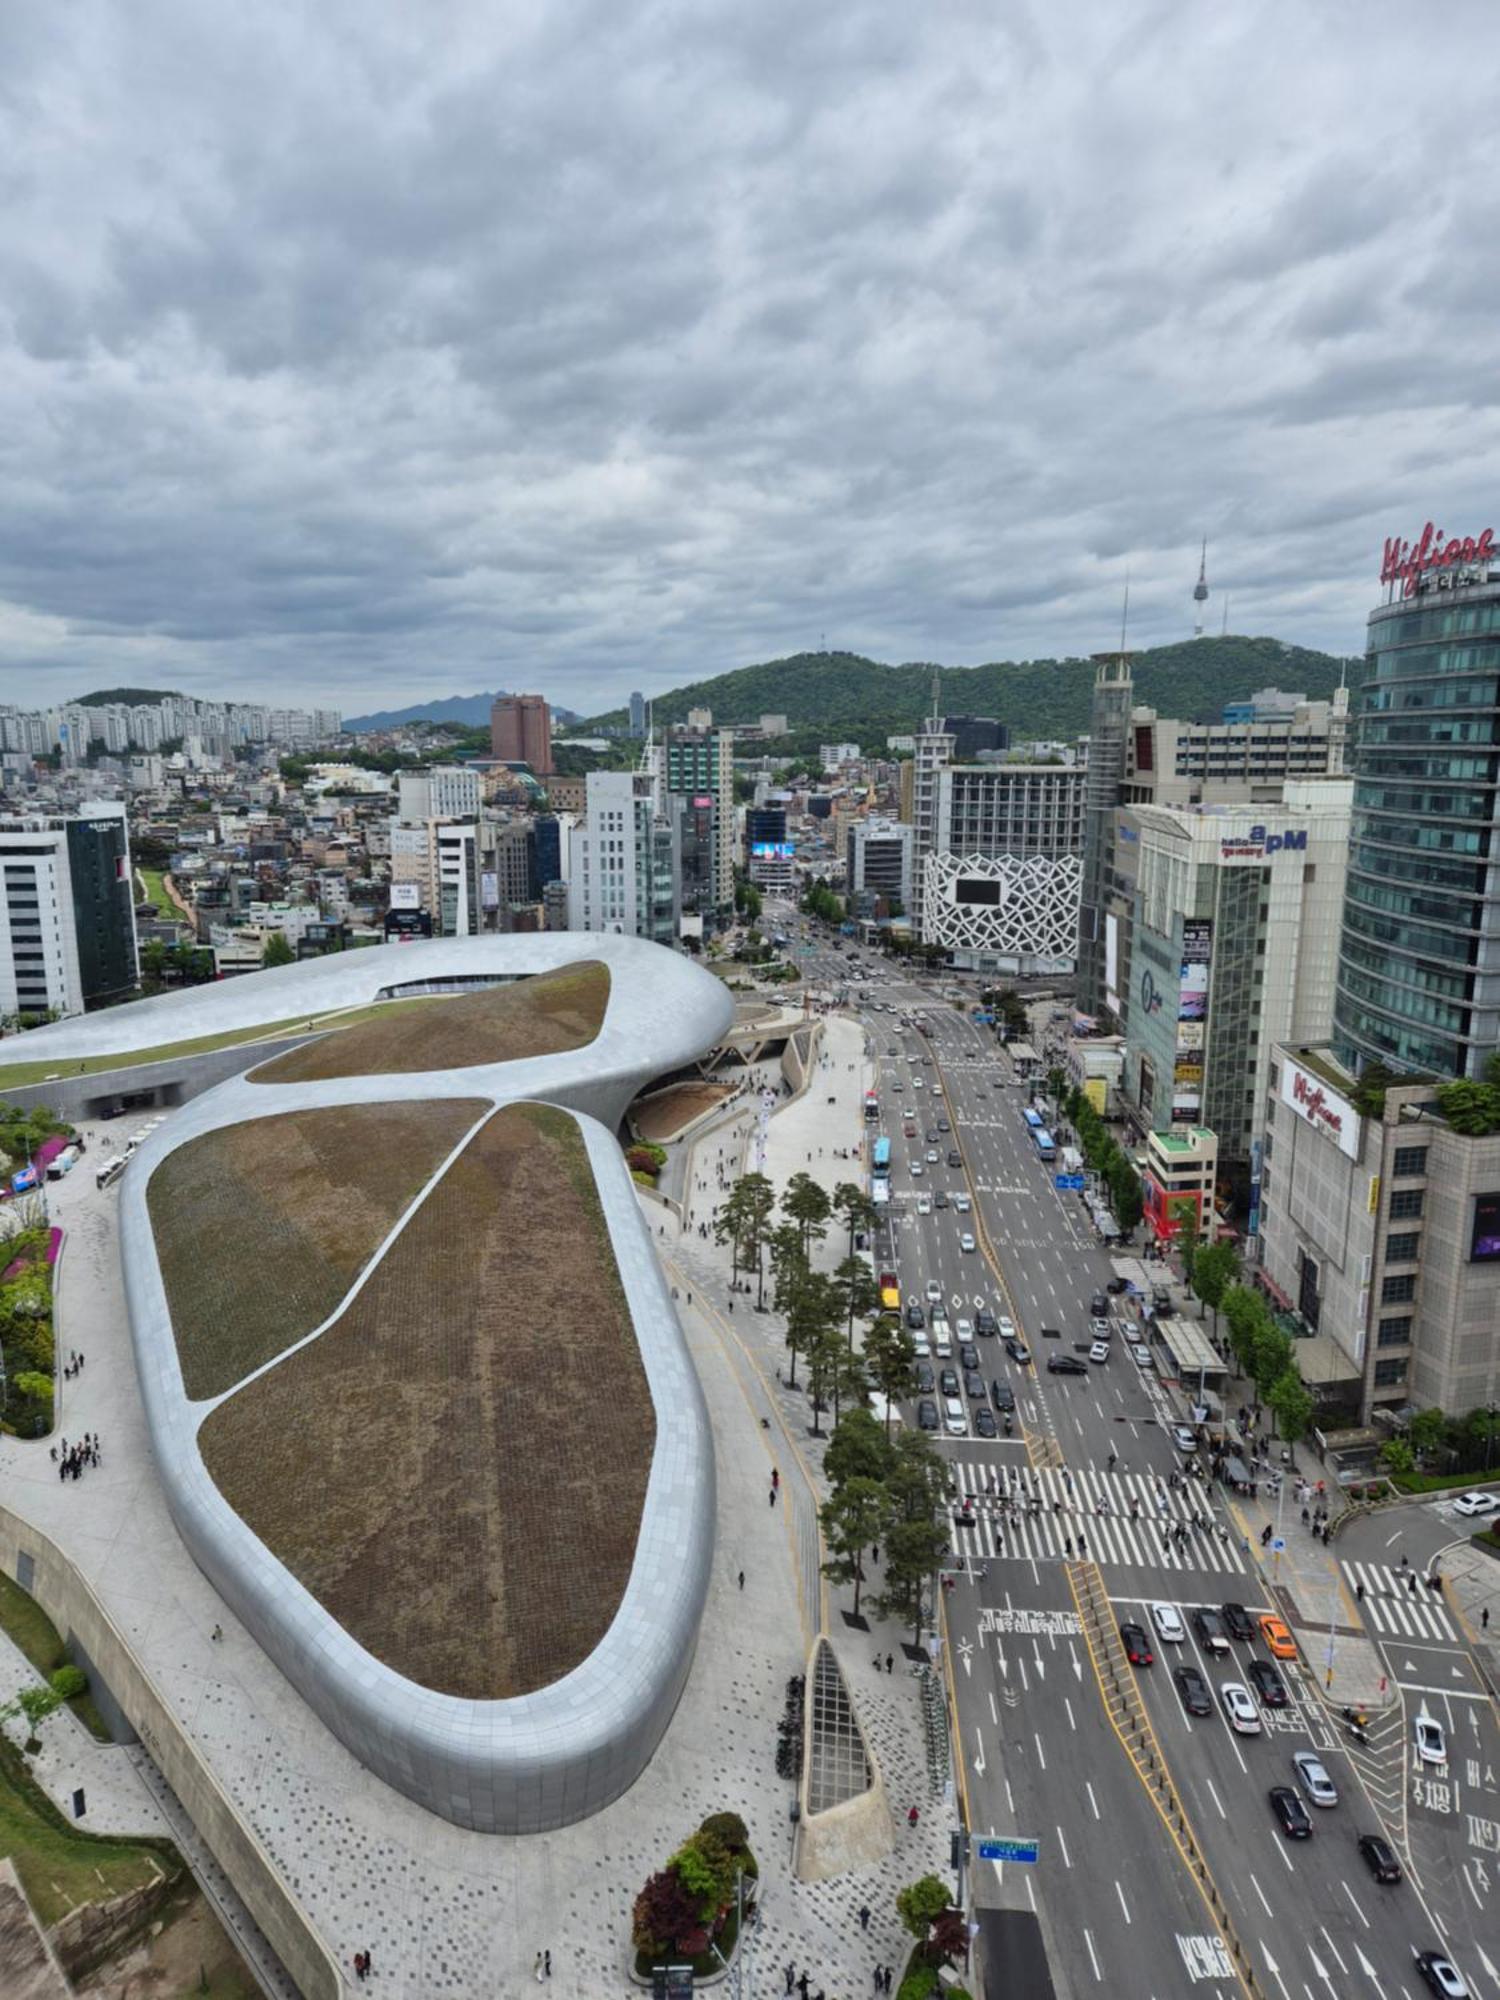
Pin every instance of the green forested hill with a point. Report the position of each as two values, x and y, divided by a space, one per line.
845 697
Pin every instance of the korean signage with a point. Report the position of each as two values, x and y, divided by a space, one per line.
406 896
1259 844
1408 563
1192 1008
1321 1106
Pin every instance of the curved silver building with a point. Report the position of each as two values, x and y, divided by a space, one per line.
342 1246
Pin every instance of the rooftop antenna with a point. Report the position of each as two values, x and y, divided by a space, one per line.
1125 614
937 678
1200 590
1225 633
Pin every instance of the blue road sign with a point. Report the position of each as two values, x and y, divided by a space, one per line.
1068 1183
1278 1543
993 1848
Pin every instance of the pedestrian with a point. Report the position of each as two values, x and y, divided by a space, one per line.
1083 1548
1359 1593
771 1497
742 1579
875 1552
536 1970
890 1663
547 1964
790 1972
1411 1584
1111 1465
912 1816
802 1984
864 1917
1484 1619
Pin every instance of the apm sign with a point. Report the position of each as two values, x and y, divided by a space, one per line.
1258 843
1325 1109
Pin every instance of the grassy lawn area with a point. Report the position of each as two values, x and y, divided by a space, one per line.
154 890
60 1866
28 1627
261 1228
542 1015
14 1075
381 1462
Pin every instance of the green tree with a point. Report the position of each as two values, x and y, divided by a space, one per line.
744 1220
891 1361
858 1449
916 1484
1426 1431
861 1294
855 1207
1125 1194
853 1520
1216 1266
807 1204
1397 1456
920 1904
1270 1355
1291 1403
277 951
821 1340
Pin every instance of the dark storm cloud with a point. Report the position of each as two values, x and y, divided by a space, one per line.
361 352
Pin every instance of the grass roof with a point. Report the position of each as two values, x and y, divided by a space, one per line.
543 1014
456 1469
261 1228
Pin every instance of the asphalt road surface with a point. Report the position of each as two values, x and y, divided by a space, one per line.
1113 1898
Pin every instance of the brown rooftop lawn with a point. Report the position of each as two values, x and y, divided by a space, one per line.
261 1228
538 1016
456 1469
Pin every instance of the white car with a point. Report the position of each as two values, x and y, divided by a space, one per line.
1099 1351
1477 1503
955 1418
1143 1357
921 1346
932 1158
1132 1330
963 1330
897 1084
1184 1438
961 1203
917 1170
1432 1744
1316 1782
934 1292
919 1083
966 1241
1006 1328
1164 1617
924 1204
1244 1716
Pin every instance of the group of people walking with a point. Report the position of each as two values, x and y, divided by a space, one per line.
72 1460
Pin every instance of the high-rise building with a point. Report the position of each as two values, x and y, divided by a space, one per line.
1108 725
441 791
546 853
769 848
521 731
67 912
1234 944
879 862
437 862
1419 968
637 714
624 870
699 763
973 735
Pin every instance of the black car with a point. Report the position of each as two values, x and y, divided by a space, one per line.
1116 1286
932 1136
916 1319
948 1382
955 1157
1137 1645
1379 1857
944 1126
985 1425
1066 1364
1267 1683
940 1199
968 1355
1003 1395
984 1322
1193 1690
1098 1306
1289 1809
1210 1629
925 1380
1018 1351
1237 1621
927 1416
974 1385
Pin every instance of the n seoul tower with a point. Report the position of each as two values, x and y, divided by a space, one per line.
1200 589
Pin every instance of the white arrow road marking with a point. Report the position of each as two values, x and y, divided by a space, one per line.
1275 1971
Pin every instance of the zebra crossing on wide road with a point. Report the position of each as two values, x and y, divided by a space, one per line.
1392 1606
1055 1506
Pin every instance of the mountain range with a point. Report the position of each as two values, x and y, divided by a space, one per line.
467 711
846 697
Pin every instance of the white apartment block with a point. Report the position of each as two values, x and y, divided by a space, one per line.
623 869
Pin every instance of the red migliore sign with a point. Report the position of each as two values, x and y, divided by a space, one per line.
1407 563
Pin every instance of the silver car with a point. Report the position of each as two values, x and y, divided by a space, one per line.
1315 1780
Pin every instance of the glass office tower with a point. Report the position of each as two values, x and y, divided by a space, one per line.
1419 961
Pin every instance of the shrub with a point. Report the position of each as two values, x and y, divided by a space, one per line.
642 1163
69 1682
728 1828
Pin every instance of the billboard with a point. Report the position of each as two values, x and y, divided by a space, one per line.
1484 1243
1318 1104
406 896
489 891
1112 962
771 850
1192 1008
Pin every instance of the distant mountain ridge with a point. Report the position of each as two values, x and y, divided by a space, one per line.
846 697
468 711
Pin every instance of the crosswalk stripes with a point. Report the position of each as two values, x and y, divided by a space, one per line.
1392 1606
1068 1512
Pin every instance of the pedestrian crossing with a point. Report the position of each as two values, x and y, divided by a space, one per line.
1391 1605
1054 1512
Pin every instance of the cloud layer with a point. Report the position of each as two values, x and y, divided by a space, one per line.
362 353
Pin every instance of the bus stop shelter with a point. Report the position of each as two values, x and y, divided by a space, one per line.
1195 1361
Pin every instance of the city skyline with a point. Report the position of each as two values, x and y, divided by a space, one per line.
341 416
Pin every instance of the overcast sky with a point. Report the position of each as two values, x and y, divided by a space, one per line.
363 352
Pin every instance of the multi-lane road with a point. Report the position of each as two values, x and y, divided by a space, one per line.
1207 1896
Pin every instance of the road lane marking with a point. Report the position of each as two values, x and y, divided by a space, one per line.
1213 1794
1094 1803
1255 1885
1125 1907
1040 1752
1093 1958
1067 1858
1354 1904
